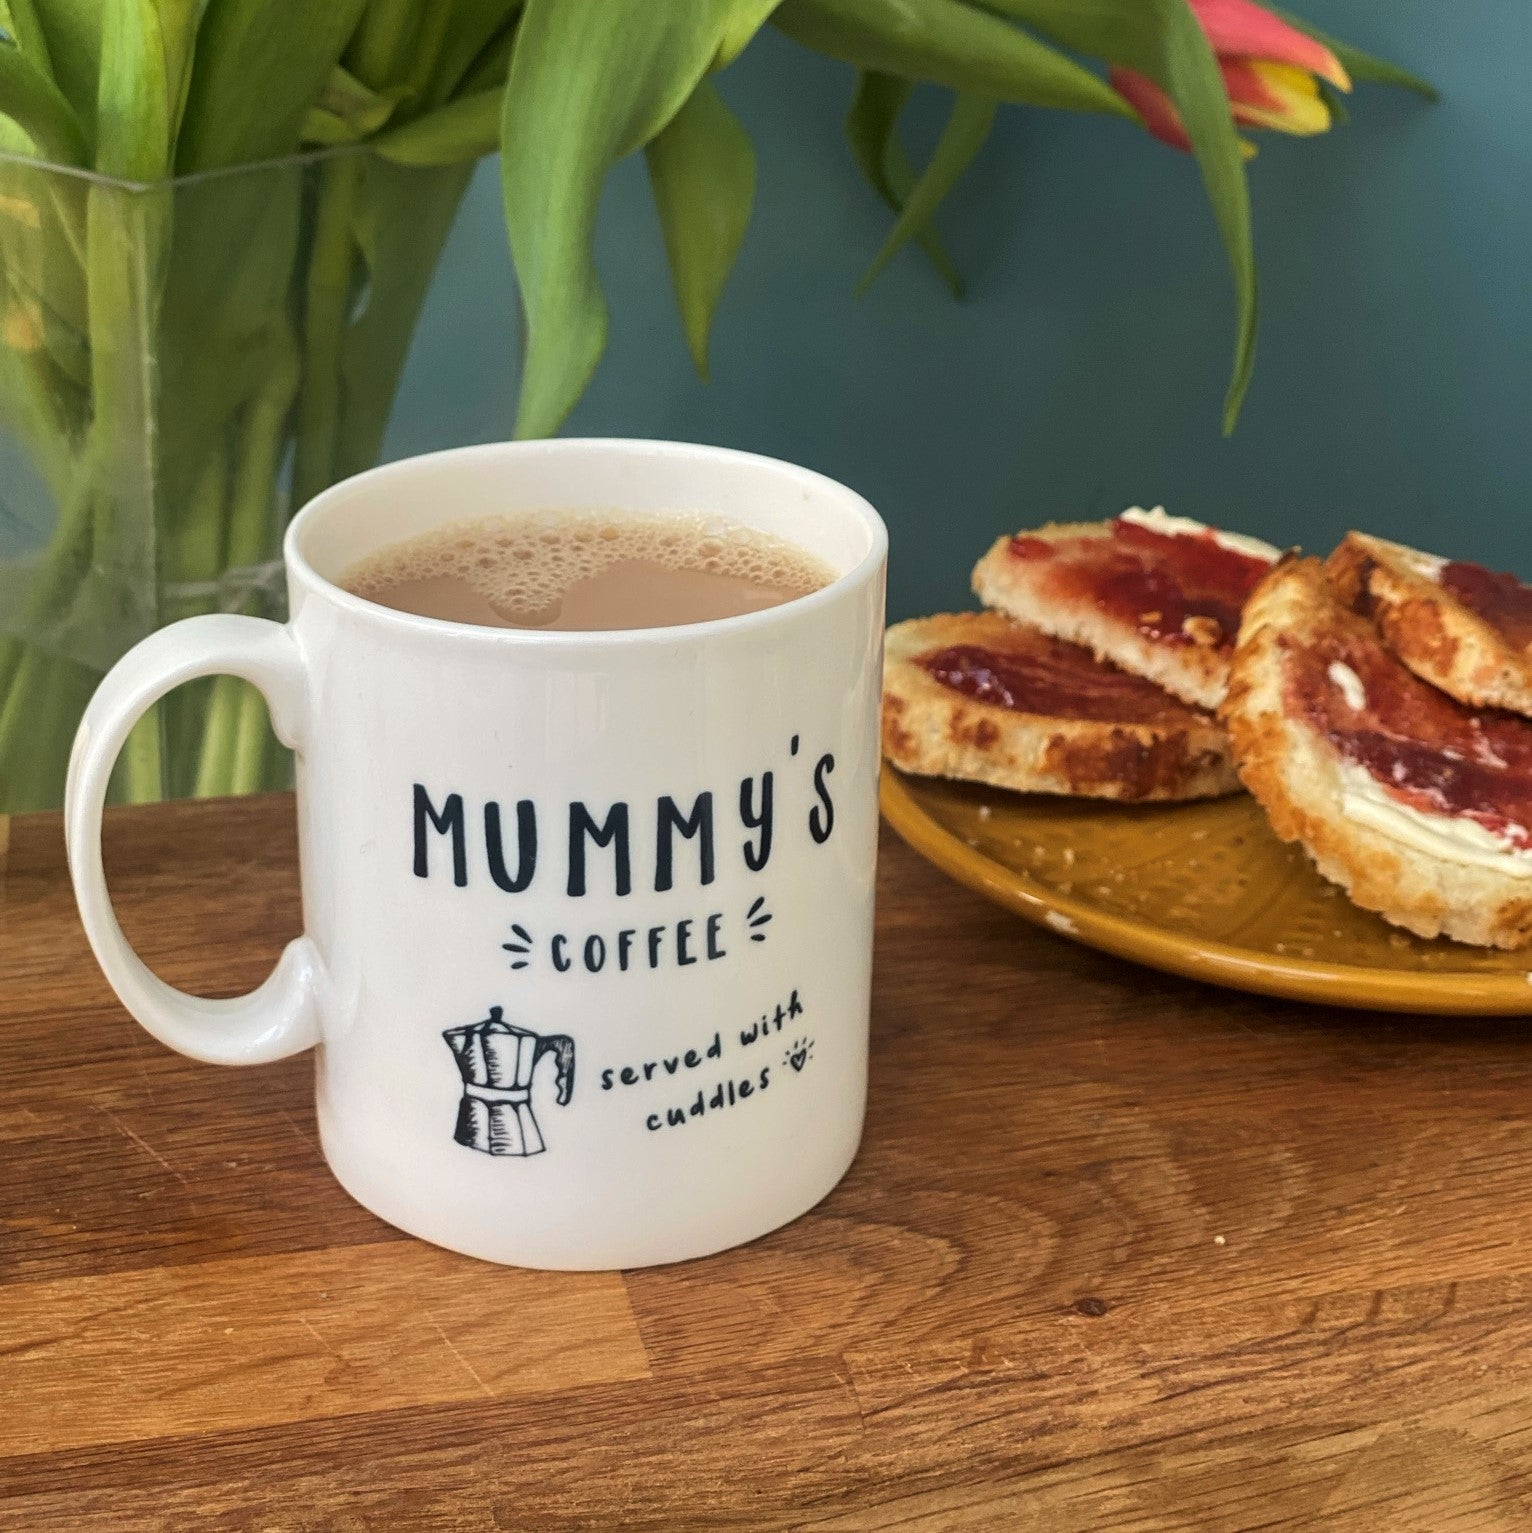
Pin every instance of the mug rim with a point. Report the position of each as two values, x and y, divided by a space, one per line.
301 570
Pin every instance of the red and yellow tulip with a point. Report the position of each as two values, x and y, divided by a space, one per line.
1270 70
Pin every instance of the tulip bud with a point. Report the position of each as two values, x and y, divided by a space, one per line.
1270 70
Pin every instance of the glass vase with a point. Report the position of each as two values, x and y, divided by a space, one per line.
182 364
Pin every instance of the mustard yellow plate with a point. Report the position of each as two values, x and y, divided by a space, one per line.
1201 889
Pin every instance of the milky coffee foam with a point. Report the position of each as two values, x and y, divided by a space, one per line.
588 570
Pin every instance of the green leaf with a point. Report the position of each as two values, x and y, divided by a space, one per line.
1340 113
474 24
588 84
871 126
702 170
39 108
348 111
179 23
967 128
402 219
133 111
1363 66
1189 72
429 42
24 24
461 131
1164 40
259 68
228 290
386 36
72 30
746 18
493 65
1124 31
146 58
951 44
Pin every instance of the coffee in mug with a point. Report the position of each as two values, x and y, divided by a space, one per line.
591 571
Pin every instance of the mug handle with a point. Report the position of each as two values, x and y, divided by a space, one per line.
281 1016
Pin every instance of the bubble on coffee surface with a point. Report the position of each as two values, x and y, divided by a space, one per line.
523 566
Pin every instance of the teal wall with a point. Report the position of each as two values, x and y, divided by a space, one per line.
1084 371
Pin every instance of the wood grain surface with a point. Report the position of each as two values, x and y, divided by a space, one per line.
1119 1252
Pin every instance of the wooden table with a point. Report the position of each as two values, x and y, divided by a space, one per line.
1119 1253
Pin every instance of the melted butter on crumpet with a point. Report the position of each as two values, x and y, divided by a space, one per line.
1157 519
1453 838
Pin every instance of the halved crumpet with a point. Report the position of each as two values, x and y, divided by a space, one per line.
1463 628
1418 806
1157 595
973 695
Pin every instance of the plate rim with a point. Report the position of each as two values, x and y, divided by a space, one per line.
1204 959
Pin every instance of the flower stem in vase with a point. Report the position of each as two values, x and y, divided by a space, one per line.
126 232
234 741
192 563
253 537
328 292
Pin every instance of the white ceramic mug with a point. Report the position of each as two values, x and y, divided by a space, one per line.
587 916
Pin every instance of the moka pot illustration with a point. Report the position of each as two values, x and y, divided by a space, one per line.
498 1061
